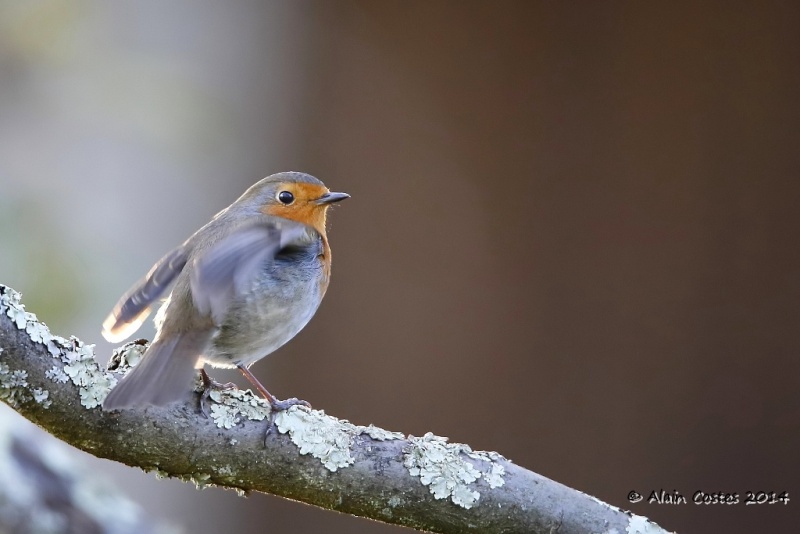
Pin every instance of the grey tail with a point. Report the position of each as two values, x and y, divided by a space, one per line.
164 375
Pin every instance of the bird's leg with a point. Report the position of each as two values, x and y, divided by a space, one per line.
209 385
274 404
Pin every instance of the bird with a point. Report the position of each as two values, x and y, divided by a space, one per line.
243 285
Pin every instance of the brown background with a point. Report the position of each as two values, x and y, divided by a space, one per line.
573 236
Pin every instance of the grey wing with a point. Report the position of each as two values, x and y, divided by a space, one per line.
133 308
227 269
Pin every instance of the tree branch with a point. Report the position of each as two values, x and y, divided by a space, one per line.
420 482
45 487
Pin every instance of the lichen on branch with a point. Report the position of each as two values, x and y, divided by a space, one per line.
423 482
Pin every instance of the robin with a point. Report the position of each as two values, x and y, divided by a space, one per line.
245 283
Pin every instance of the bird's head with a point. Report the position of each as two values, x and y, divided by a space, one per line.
295 196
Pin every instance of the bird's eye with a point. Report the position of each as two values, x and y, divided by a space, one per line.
286 197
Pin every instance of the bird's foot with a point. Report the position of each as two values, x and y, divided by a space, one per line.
209 385
283 405
276 406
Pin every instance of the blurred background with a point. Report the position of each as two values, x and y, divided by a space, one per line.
573 236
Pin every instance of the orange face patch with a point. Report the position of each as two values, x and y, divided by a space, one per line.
304 209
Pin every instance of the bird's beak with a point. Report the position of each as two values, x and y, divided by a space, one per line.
330 198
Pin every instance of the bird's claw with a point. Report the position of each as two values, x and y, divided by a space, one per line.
281 406
209 385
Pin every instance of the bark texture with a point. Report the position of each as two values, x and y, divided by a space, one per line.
373 473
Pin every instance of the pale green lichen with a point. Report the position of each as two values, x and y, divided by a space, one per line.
380 434
14 310
82 369
124 357
235 405
78 359
134 354
38 331
224 416
13 386
56 374
495 476
324 437
41 396
496 471
444 468
55 346
315 433
641 525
